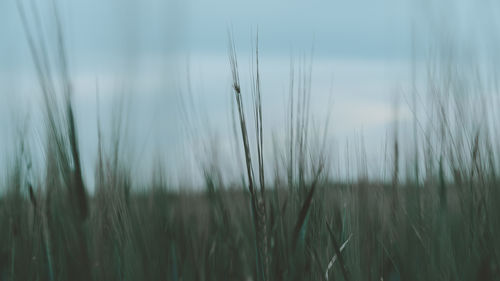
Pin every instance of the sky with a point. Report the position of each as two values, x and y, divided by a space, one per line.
143 53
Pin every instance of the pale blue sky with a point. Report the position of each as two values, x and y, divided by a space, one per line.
362 54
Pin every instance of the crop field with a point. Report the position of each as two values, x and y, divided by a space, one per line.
435 215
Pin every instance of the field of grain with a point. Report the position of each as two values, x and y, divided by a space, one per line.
435 217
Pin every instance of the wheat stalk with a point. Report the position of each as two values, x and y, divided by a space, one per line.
334 258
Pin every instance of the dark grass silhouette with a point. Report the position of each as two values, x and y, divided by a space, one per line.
303 226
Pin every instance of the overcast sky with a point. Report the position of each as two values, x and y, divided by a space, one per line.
362 54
